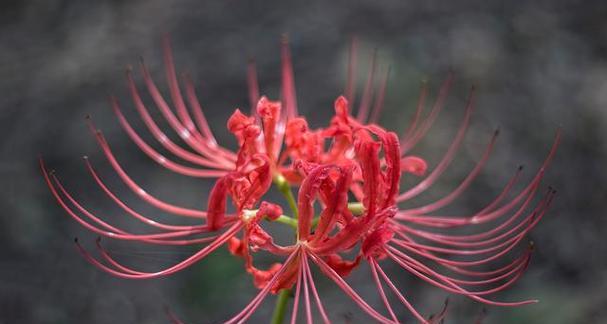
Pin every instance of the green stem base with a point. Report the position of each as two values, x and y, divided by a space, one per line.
281 306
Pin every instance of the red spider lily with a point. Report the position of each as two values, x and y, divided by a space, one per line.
363 161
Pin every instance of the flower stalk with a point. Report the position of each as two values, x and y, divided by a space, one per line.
280 309
284 295
285 189
290 221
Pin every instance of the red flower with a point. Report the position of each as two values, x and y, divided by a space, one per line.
362 160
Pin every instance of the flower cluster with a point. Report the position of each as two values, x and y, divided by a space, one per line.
346 213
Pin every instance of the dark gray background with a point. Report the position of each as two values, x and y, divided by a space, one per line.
537 65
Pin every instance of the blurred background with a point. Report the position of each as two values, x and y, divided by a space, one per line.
537 66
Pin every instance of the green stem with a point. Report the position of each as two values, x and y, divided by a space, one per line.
315 221
284 219
356 208
281 306
283 297
285 189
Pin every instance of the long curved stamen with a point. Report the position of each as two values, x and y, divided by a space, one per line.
107 257
190 138
321 308
114 232
252 86
288 94
365 102
379 99
161 137
126 208
481 239
411 141
194 140
402 298
449 155
493 275
350 88
159 158
449 286
437 221
463 270
461 187
295 310
288 81
505 191
170 208
306 295
421 102
174 90
517 270
510 244
509 282
348 290
201 120
380 289
477 218
223 238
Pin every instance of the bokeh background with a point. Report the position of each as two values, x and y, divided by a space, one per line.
538 65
